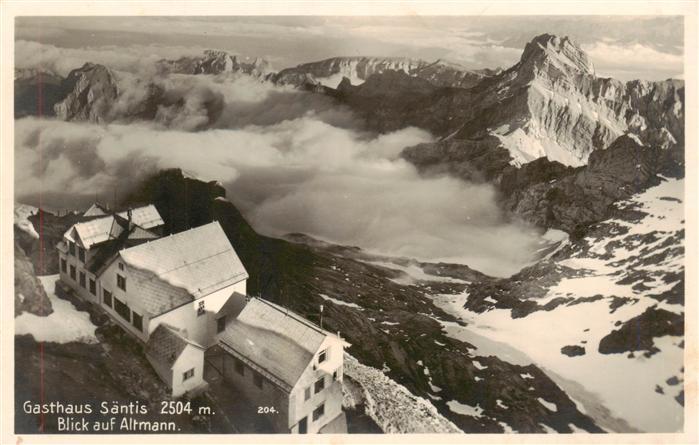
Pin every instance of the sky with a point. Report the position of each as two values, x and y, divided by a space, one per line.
624 47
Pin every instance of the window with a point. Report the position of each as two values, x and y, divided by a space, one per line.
93 287
122 309
107 297
201 310
307 393
71 248
323 356
72 272
82 279
81 254
239 366
221 324
121 282
257 378
137 321
188 374
318 412
320 384
121 266
64 265
336 375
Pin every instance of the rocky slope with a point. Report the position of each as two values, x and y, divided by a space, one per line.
36 92
330 72
393 325
605 311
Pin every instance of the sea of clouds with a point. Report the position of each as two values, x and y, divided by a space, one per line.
292 161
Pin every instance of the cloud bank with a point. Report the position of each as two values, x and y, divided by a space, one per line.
291 163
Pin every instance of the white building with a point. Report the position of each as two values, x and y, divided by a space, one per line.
183 295
283 362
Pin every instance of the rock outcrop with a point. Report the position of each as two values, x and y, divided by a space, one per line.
29 293
92 92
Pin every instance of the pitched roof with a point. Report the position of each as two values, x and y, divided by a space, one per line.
146 216
109 249
199 260
167 343
275 339
99 230
96 209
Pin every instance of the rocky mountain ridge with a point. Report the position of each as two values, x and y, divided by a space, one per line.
215 62
358 69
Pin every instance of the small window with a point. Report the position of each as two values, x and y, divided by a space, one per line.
107 297
121 266
318 412
82 279
201 310
307 393
239 366
72 272
64 265
137 321
323 356
221 324
320 384
121 282
188 374
71 248
257 379
81 254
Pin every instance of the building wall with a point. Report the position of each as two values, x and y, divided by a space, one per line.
83 292
191 357
269 395
108 281
331 395
200 329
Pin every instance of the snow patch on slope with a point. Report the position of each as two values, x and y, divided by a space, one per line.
64 325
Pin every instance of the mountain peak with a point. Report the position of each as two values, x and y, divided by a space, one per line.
561 52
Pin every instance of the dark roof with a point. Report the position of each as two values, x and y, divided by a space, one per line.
108 250
166 344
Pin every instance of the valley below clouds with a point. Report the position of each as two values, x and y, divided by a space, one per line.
292 161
